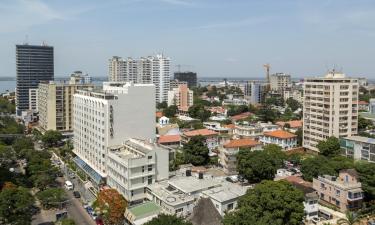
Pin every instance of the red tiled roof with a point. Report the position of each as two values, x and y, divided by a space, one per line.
280 134
362 103
169 138
292 123
241 143
241 116
230 126
203 132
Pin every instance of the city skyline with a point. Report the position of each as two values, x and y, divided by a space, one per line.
214 38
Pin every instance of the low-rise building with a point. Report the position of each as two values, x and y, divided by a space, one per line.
216 126
363 106
170 140
228 153
134 165
281 138
358 148
247 130
292 125
344 192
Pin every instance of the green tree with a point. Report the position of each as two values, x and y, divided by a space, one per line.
22 144
367 178
67 222
267 114
162 105
199 112
329 147
163 219
293 104
299 134
364 123
350 219
270 202
170 111
15 206
316 166
196 151
52 197
6 106
52 137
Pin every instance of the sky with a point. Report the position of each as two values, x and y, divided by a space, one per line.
215 38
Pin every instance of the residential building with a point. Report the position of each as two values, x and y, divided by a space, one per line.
247 130
106 117
170 140
293 93
216 126
372 106
146 70
358 148
280 81
291 125
134 165
330 108
211 137
344 192
77 77
363 106
228 153
33 99
253 91
175 83
182 97
55 105
281 138
189 77
34 63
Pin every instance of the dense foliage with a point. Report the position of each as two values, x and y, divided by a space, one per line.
196 151
52 137
111 205
163 219
329 147
52 197
198 111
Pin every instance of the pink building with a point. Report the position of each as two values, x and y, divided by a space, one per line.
182 97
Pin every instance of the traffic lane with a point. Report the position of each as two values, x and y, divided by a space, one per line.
77 212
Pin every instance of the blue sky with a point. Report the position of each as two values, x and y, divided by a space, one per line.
231 38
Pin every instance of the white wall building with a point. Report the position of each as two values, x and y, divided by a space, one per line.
33 99
134 165
107 117
330 108
253 91
280 81
358 148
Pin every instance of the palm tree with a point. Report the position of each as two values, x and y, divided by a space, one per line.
351 219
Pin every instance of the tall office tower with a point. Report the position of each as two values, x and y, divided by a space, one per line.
107 117
279 81
34 63
253 91
189 77
146 70
55 104
330 108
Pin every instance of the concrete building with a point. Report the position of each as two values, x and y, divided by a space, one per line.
228 153
182 97
77 77
175 83
344 192
247 130
106 117
358 148
146 70
33 99
189 77
296 94
280 81
281 138
55 105
34 63
330 108
253 91
134 165
372 106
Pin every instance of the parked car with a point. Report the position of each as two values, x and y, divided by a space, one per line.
76 194
69 185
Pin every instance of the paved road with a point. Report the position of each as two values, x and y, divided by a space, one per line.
75 208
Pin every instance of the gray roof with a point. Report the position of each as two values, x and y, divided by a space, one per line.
361 139
205 213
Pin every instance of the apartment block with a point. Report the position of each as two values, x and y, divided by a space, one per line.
358 148
33 99
344 192
145 70
134 165
330 108
106 117
253 91
280 81
182 97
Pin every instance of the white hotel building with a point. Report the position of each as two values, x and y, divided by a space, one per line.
103 118
330 108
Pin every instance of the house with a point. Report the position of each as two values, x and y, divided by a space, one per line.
228 153
247 130
291 126
363 106
344 192
210 136
216 126
281 138
170 140
241 116
163 121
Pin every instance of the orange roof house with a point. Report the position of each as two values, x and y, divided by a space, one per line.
240 143
282 134
202 132
292 123
169 139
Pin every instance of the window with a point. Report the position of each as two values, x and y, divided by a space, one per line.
179 210
337 192
149 168
149 180
149 157
230 206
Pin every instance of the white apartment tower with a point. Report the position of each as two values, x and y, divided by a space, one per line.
107 117
330 108
280 81
146 70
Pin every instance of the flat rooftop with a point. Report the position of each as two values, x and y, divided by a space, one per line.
193 184
361 139
228 191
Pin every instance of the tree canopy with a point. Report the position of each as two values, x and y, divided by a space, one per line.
198 111
293 104
111 205
196 151
51 197
52 137
270 202
329 147
163 219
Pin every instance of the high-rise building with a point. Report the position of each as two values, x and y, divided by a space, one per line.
182 97
146 70
253 91
189 77
55 104
34 63
108 116
279 81
330 108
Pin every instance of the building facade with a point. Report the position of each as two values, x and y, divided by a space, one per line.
182 97
189 77
281 138
253 91
34 63
134 165
104 118
358 148
330 108
280 81
146 70
33 99
55 105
